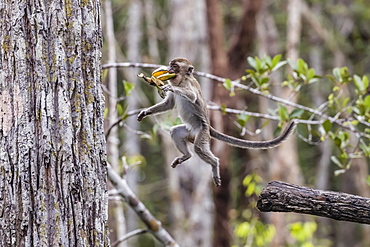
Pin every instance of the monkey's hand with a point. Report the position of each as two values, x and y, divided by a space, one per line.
167 88
142 115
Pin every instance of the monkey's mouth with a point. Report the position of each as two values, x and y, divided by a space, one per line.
163 73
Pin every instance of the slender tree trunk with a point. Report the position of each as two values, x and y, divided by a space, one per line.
190 182
284 166
131 144
52 145
230 65
116 216
219 65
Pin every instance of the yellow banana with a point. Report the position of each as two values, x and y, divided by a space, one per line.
160 71
157 79
166 76
162 74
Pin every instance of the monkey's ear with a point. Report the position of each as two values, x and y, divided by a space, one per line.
190 70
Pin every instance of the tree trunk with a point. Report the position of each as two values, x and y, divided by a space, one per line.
230 65
284 165
52 146
131 144
191 200
116 220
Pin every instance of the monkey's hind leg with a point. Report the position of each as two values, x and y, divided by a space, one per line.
202 149
180 136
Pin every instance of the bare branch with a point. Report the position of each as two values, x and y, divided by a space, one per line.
154 225
129 235
284 197
129 64
237 83
119 120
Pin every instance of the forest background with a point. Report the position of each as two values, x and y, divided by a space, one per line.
324 60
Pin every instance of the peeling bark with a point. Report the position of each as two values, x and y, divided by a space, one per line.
52 145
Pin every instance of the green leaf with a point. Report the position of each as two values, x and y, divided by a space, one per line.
367 102
310 74
292 65
275 61
264 80
252 62
336 161
337 75
242 119
301 66
279 65
296 113
327 126
283 113
247 180
229 86
250 189
366 149
120 110
345 102
128 87
223 109
340 171
362 84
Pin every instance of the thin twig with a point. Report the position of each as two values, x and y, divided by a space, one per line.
236 83
129 235
119 120
154 226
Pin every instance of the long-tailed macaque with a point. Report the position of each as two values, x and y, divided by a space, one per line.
184 92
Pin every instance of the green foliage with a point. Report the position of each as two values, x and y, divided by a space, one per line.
303 234
252 232
262 68
242 119
347 111
229 86
128 87
251 182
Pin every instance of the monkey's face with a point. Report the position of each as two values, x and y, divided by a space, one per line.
182 68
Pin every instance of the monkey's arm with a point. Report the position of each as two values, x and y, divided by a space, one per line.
167 104
254 144
184 92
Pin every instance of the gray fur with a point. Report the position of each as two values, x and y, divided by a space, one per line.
184 91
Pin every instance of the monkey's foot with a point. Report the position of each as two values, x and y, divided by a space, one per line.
217 181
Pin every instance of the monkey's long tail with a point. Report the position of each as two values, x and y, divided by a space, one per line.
254 144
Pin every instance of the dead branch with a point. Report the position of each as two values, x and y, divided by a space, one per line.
279 196
154 226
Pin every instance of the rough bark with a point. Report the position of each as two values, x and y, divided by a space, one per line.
279 196
52 145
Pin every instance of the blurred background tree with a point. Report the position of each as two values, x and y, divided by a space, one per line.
218 37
